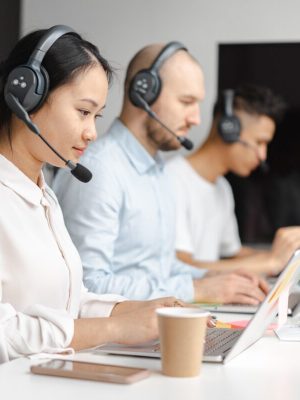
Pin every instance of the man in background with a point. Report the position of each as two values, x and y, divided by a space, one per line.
207 235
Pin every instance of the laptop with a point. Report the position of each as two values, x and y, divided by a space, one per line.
222 345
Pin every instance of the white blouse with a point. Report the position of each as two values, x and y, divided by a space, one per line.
41 291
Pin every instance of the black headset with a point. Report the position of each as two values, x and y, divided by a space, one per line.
229 126
146 83
29 82
27 86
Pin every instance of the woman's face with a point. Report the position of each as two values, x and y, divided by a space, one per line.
68 118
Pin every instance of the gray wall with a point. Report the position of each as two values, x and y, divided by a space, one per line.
120 28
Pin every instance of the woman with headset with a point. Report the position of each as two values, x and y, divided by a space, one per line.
53 83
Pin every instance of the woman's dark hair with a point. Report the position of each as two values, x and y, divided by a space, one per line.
67 57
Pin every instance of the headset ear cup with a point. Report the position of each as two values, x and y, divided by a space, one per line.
28 85
155 89
145 84
229 128
134 92
46 82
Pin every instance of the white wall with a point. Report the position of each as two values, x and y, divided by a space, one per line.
120 28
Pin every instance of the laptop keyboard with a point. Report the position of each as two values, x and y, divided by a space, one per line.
217 341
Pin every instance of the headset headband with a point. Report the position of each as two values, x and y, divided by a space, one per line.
165 53
228 102
44 44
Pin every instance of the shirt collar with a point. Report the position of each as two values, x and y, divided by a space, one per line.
137 154
12 177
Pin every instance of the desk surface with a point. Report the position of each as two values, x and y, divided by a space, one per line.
267 370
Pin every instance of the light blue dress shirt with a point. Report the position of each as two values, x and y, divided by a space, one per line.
123 221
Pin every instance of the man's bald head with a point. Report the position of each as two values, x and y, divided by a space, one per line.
144 58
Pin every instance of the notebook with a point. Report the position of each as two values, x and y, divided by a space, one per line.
222 345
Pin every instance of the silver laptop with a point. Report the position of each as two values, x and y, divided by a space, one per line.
221 345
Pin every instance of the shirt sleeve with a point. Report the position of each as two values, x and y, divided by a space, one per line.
38 329
92 215
95 306
143 288
181 281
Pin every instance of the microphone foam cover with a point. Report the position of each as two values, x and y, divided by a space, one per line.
187 144
82 173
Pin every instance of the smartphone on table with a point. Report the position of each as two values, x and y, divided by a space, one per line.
90 371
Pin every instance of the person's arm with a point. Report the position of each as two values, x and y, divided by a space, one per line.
271 262
91 332
141 286
251 261
37 329
246 251
43 329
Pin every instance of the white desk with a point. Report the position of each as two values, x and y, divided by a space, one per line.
269 369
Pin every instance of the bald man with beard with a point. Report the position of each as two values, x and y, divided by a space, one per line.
123 221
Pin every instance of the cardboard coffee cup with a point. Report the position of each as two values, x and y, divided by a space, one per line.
182 334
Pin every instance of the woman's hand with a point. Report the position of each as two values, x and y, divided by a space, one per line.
128 306
135 322
134 327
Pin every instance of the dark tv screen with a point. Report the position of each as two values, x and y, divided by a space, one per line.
267 201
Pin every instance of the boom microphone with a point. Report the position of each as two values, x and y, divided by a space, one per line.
79 171
185 142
